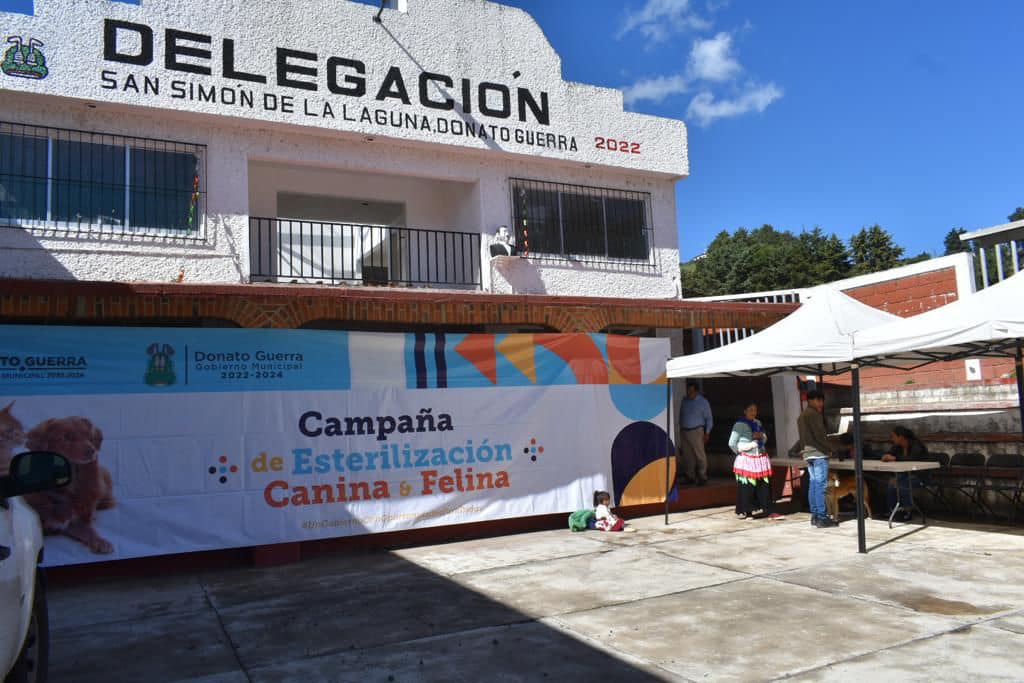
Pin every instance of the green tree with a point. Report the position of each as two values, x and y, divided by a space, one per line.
828 256
923 256
952 242
1017 215
874 249
688 279
765 259
710 271
773 260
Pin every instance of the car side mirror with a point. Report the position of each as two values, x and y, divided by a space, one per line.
35 471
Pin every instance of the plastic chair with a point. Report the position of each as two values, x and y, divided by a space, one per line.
935 482
1004 476
968 477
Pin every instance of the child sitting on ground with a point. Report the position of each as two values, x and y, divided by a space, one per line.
605 519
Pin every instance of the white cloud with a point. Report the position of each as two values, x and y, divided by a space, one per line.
705 109
712 62
712 59
658 19
655 89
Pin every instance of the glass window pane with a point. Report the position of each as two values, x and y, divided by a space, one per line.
583 223
163 188
88 183
580 221
536 219
22 178
627 228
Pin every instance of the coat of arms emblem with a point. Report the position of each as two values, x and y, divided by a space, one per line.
160 370
24 60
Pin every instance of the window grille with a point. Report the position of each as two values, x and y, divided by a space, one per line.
71 181
582 223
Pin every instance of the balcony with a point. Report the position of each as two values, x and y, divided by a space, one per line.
996 251
314 252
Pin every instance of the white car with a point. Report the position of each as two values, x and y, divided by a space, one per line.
24 630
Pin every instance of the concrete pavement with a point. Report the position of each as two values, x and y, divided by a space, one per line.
708 597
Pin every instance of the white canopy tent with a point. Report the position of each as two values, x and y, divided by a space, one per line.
986 324
832 333
817 338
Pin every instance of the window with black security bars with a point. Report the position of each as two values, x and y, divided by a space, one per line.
558 220
72 181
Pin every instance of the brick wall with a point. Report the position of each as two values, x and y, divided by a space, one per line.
911 295
284 306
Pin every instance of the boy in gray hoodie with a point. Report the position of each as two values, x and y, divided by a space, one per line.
816 451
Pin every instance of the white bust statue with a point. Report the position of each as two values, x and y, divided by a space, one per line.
501 243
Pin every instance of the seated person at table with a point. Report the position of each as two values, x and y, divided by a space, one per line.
905 446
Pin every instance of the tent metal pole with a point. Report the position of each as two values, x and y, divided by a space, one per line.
858 460
668 441
1018 370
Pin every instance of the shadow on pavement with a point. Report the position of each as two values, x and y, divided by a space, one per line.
351 617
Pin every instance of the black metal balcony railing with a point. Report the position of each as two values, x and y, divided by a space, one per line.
283 250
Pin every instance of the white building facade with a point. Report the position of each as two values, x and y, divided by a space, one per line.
304 141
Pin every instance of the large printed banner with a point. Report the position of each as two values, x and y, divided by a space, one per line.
197 439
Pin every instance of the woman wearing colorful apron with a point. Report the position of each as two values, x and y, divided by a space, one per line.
752 467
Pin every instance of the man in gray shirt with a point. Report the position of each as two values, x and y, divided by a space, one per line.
695 423
816 451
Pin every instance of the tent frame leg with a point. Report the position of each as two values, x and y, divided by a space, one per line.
1018 371
858 460
668 442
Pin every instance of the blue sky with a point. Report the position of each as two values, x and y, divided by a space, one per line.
909 114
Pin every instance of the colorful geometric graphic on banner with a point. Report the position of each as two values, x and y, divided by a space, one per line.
638 464
439 360
518 350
